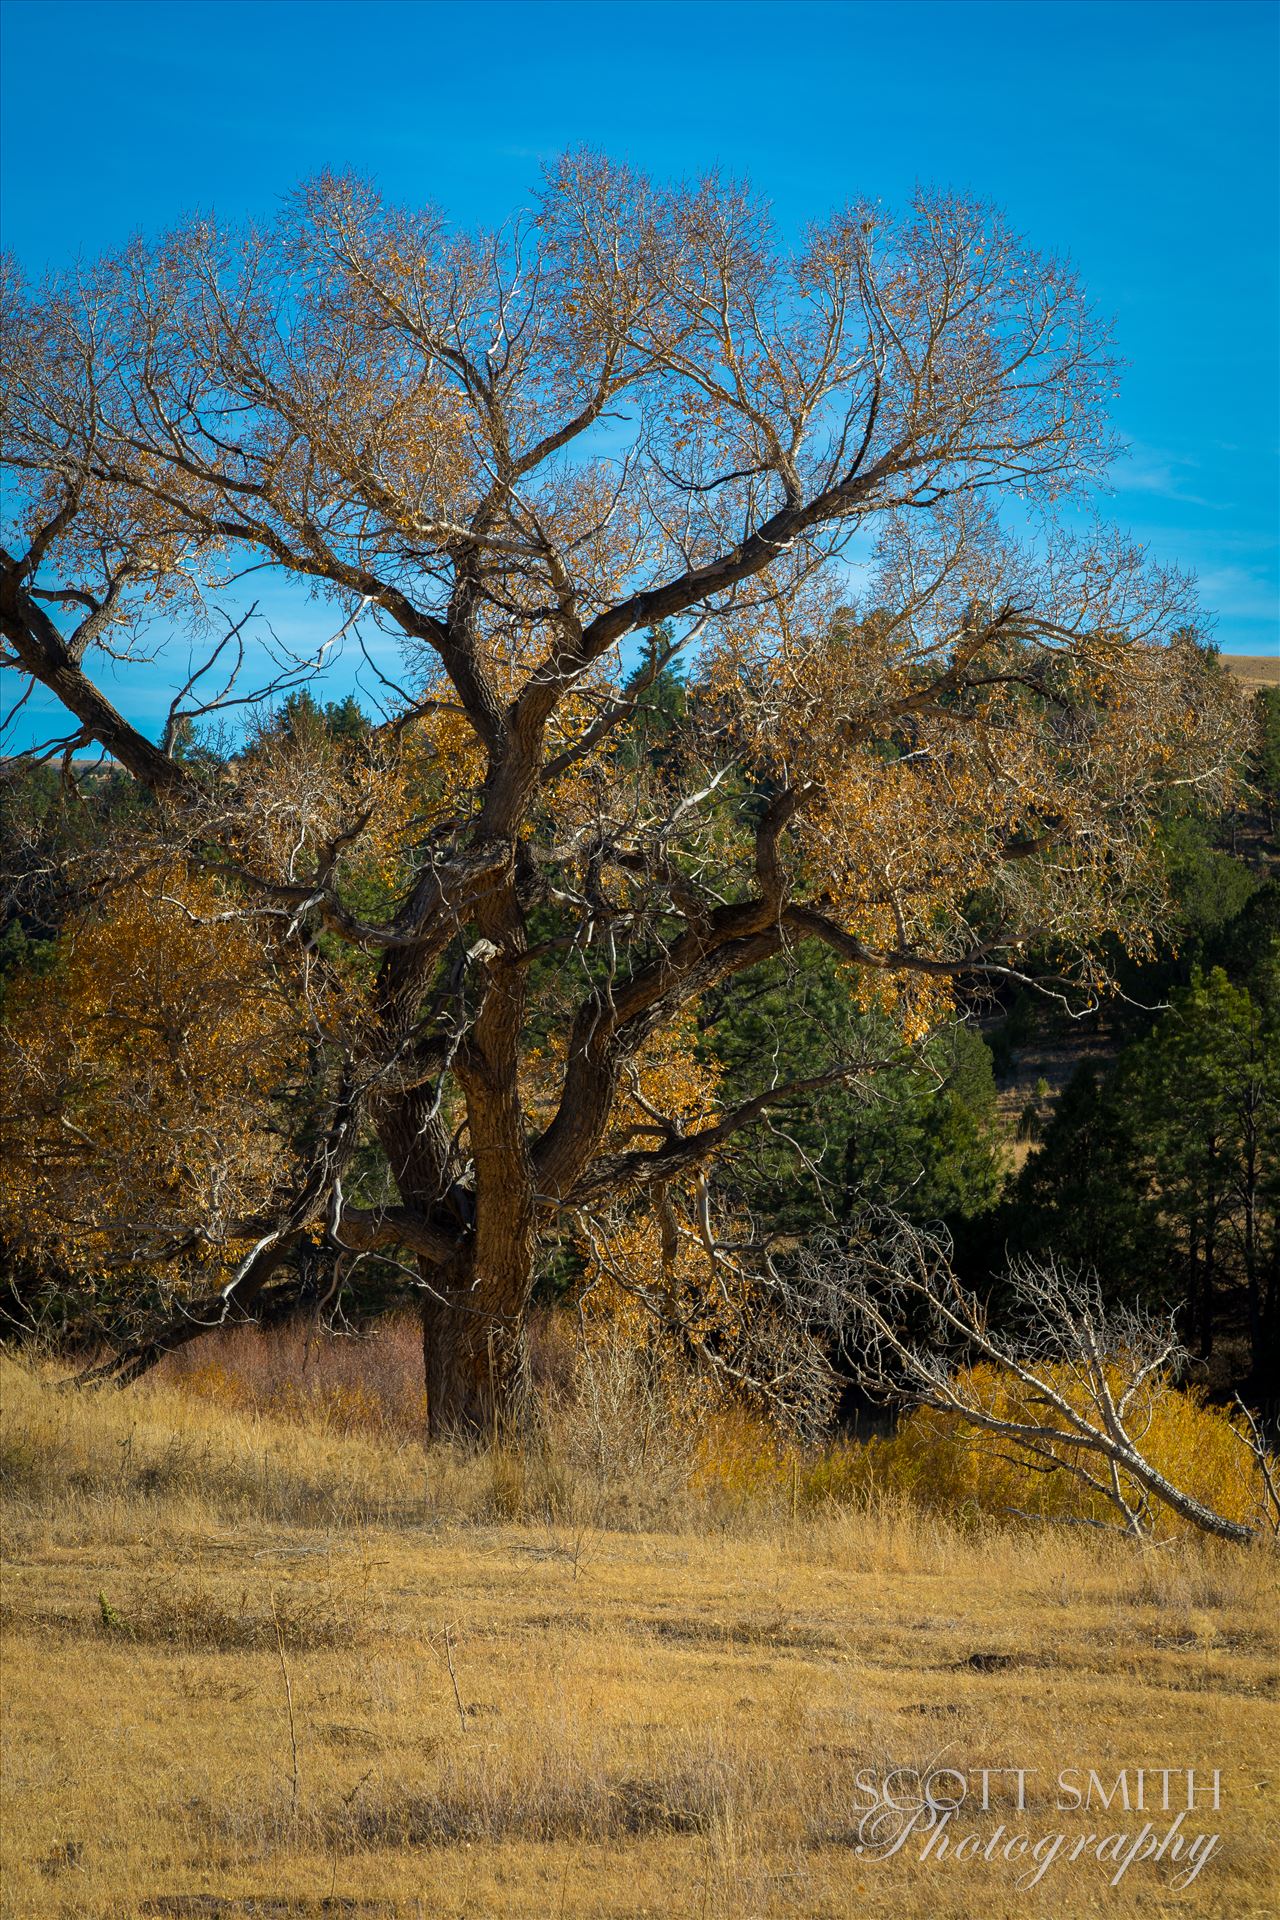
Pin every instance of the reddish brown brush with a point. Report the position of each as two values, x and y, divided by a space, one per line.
371 1381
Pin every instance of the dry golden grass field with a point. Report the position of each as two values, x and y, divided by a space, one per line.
256 1665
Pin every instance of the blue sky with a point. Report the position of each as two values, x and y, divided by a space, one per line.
1139 138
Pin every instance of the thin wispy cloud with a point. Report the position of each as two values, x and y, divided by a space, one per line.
1150 470
1239 593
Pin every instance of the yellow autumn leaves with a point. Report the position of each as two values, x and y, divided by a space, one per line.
140 1081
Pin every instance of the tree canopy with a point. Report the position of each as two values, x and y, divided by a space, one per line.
482 930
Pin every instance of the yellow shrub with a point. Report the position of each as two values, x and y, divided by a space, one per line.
741 1459
744 1462
941 1465
946 1465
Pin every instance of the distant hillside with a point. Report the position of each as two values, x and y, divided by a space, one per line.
1254 669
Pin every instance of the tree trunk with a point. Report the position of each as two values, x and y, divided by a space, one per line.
475 1354
474 1327
474 1306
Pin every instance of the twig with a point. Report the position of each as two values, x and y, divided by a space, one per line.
288 1696
1254 1443
448 1654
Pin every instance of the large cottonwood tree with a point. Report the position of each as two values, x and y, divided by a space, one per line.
633 412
